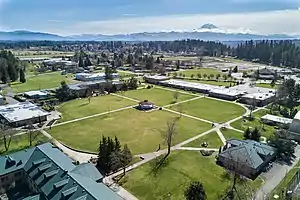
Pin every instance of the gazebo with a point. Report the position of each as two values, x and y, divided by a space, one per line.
145 105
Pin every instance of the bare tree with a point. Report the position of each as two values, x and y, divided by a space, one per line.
6 134
31 133
237 167
176 96
252 106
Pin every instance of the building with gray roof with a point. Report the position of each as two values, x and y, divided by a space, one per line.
246 157
22 114
49 174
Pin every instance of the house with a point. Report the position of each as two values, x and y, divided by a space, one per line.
294 129
22 114
145 105
45 173
266 74
246 157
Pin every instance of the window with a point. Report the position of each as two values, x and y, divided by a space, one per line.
2 179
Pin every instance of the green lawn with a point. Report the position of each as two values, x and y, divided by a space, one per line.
284 183
181 58
212 110
243 124
212 139
171 181
229 133
81 107
201 71
159 97
21 142
142 131
266 85
43 81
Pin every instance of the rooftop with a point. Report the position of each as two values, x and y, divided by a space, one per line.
259 96
158 77
21 111
36 93
248 152
55 174
277 119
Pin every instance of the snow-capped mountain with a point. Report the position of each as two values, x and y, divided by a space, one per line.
205 32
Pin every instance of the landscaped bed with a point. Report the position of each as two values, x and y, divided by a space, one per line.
81 107
211 109
159 97
142 131
170 182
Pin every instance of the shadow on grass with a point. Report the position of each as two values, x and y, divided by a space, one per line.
158 164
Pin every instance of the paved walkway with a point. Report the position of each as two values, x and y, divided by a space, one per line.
124 97
221 136
275 176
189 116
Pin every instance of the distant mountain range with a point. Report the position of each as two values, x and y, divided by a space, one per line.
205 32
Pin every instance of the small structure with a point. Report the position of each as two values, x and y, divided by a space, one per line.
21 114
145 105
246 157
93 77
266 74
37 94
259 99
294 129
276 120
155 79
44 172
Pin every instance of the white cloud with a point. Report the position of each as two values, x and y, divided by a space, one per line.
271 22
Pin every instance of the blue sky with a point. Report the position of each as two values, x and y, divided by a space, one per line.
124 16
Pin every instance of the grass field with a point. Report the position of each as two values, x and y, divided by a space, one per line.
212 110
181 58
243 124
229 133
43 81
171 181
157 96
201 71
142 131
21 142
81 107
212 139
266 85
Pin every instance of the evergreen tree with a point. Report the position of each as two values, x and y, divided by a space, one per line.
22 76
81 61
195 191
255 134
247 134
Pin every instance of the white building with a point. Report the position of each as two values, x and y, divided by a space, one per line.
155 79
93 77
294 129
22 114
259 99
36 94
276 120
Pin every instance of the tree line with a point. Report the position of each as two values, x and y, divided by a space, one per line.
11 68
278 53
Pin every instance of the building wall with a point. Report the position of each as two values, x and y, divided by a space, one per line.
267 101
223 96
33 120
9 180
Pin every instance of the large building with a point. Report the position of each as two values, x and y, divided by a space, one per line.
259 99
45 173
22 114
246 157
93 77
